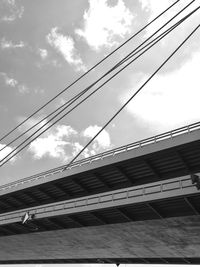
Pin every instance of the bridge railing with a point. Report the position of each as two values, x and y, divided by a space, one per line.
133 195
136 145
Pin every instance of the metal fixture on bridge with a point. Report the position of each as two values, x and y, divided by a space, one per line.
195 180
25 218
28 217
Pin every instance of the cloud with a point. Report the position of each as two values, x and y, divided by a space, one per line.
10 45
104 24
11 82
5 152
102 140
63 143
47 59
54 144
8 80
23 89
153 8
64 45
43 53
166 46
169 100
39 90
77 147
10 10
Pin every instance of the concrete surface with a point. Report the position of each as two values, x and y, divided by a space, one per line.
49 176
174 237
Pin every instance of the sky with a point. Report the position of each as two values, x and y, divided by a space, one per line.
45 46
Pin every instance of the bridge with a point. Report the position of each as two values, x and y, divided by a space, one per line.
139 203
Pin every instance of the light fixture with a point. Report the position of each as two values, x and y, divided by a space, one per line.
25 217
195 180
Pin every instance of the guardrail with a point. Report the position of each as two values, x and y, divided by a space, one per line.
138 144
176 187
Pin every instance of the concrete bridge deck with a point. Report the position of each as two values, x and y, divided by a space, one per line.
135 204
173 240
160 200
161 157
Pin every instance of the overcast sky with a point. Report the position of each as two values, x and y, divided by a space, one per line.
45 45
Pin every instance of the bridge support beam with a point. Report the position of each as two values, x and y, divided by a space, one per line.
178 238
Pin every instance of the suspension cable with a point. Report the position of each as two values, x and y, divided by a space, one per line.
89 95
73 99
127 102
92 68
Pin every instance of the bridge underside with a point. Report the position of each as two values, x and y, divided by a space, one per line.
136 204
157 161
172 240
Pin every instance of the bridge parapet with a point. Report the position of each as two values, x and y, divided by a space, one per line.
158 191
110 153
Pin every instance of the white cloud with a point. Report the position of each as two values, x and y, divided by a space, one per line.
43 53
65 131
12 10
65 46
165 47
39 90
8 80
77 147
154 8
63 143
101 142
48 146
23 89
169 100
104 24
11 82
54 144
4 152
10 45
